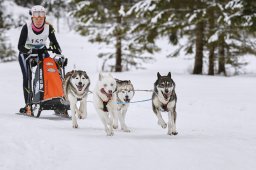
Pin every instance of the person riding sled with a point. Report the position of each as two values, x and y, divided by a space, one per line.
32 40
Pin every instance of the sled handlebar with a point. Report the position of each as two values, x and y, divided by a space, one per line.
35 55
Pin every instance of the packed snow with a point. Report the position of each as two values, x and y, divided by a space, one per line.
216 120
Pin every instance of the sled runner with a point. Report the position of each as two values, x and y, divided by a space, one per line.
45 84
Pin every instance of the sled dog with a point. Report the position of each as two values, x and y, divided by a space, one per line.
124 94
103 97
76 88
164 99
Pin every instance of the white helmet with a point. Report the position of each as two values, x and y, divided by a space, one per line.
38 11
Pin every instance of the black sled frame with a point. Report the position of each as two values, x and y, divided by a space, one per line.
59 105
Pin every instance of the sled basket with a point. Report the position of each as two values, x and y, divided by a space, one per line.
47 82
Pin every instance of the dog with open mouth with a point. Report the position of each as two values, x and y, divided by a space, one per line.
76 87
164 99
103 97
124 94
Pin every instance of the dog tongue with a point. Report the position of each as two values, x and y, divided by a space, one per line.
166 95
109 95
80 88
127 100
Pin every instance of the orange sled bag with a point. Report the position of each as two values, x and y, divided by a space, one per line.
52 80
47 82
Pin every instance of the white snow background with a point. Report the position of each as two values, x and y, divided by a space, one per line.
216 120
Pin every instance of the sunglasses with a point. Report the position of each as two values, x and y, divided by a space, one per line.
38 14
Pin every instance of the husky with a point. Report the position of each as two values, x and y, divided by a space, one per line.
164 99
76 87
103 97
124 94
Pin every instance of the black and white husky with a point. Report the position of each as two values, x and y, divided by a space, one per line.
103 100
164 99
76 88
124 94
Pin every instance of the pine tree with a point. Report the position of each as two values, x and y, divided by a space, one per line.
219 28
174 19
211 46
58 8
28 3
6 52
107 22
232 27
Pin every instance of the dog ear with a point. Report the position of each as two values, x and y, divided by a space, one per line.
158 75
169 75
85 74
118 81
69 74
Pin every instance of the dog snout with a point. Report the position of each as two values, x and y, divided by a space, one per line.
166 90
127 97
110 91
80 83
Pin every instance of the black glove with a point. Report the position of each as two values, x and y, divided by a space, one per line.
56 51
65 62
36 51
39 53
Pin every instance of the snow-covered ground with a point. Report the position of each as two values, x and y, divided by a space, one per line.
216 121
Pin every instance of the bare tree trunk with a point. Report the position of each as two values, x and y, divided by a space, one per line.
58 24
198 66
211 45
118 66
221 55
211 60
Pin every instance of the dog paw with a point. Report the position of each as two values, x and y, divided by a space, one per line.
175 133
109 132
172 133
75 125
162 124
115 126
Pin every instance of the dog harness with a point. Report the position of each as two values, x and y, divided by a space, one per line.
164 107
172 97
105 109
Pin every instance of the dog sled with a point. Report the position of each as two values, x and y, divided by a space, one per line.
45 84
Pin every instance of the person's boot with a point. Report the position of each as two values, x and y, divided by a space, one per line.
26 110
23 110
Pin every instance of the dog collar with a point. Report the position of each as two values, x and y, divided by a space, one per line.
105 109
